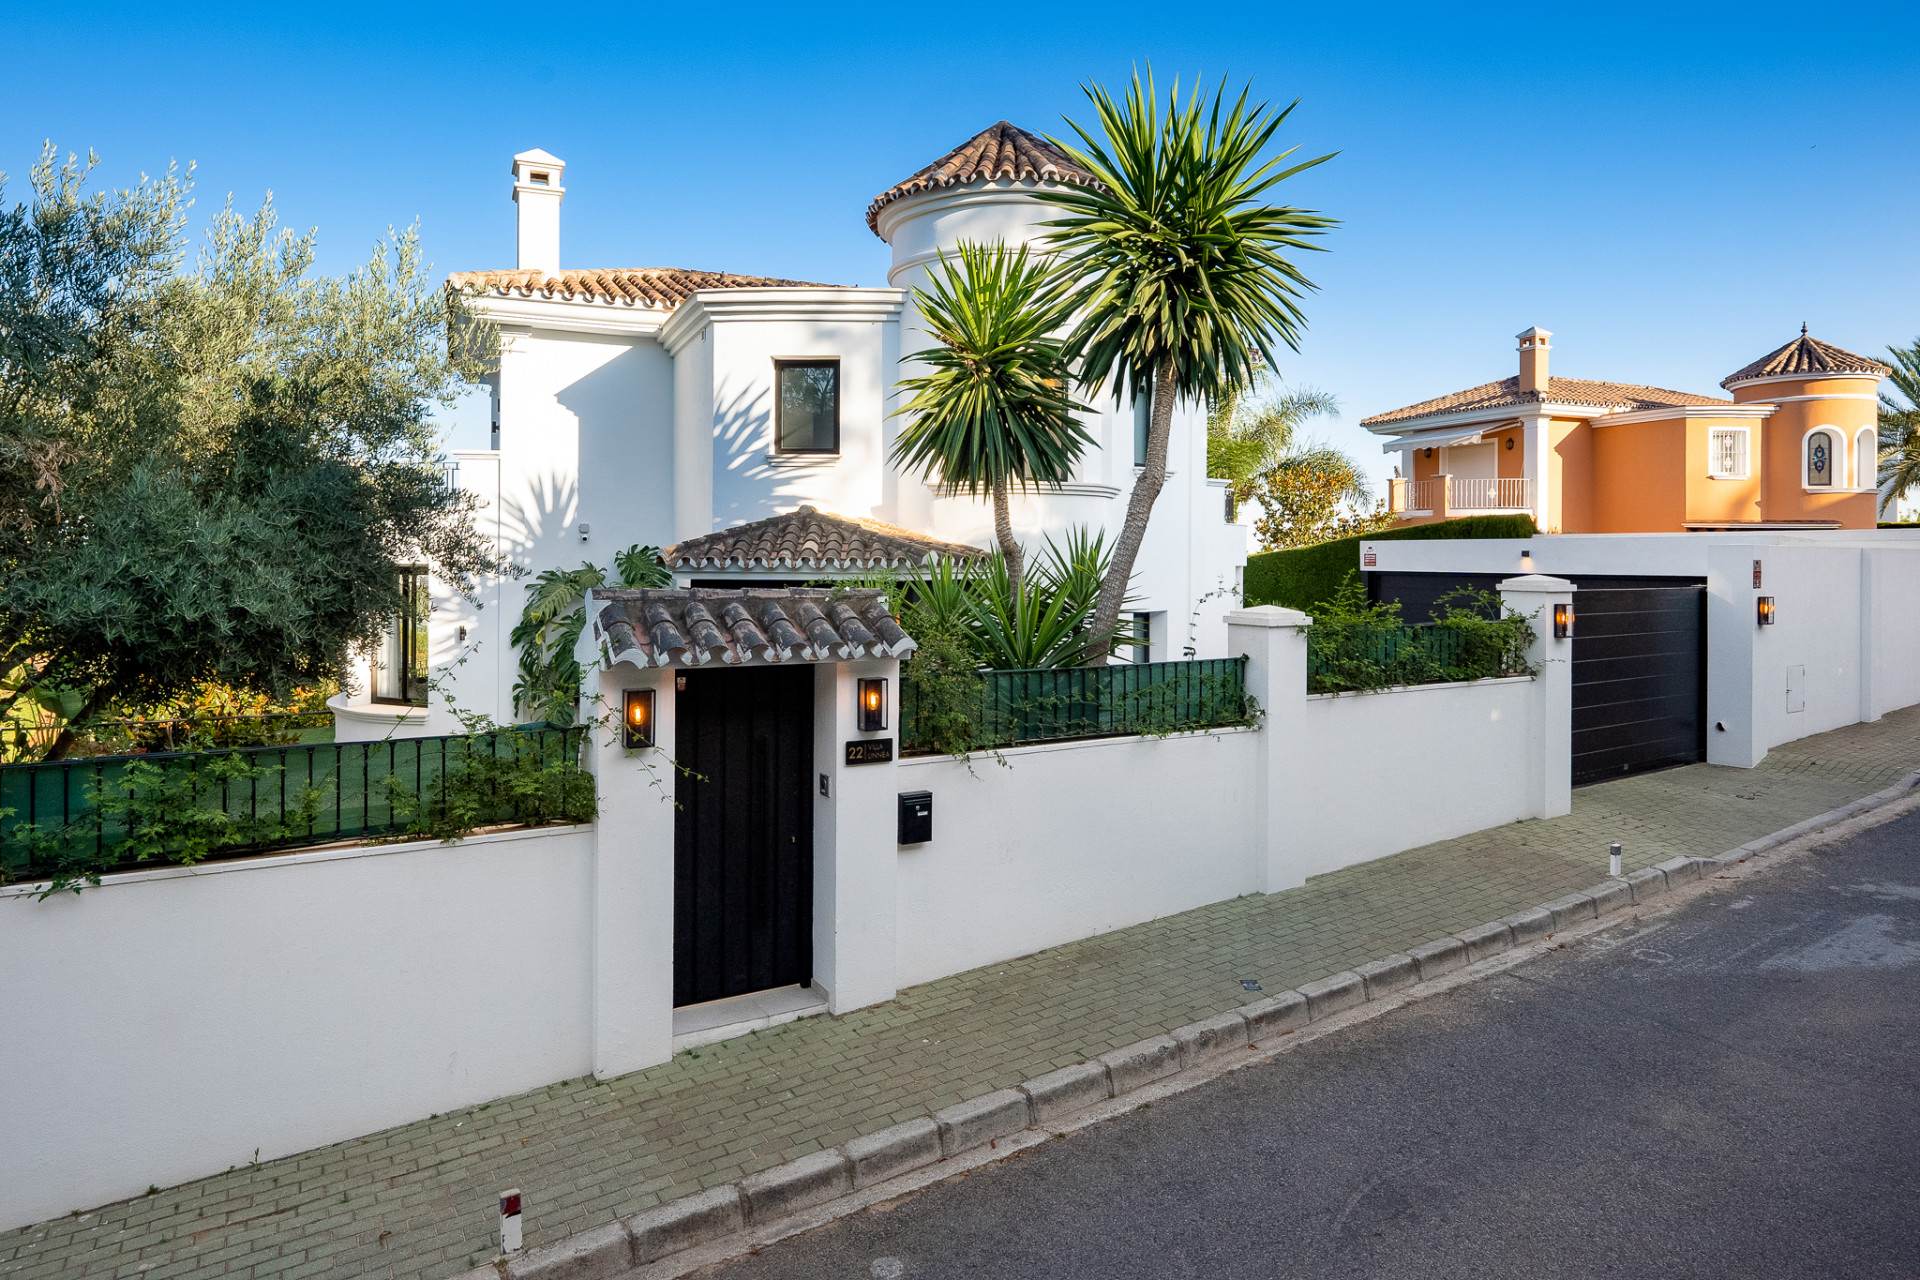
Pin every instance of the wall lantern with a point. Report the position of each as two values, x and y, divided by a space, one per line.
1562 621
638 718
1509 444
1766 611
873 705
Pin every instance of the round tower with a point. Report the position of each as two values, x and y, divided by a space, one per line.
1819 454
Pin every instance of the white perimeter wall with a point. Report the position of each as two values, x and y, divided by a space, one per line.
168 1024
1069 840
1369 774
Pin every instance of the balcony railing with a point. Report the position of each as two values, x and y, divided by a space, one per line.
1452 493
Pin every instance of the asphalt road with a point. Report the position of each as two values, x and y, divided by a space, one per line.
1731 1089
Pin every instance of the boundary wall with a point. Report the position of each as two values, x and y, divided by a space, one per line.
204 1017
1847 606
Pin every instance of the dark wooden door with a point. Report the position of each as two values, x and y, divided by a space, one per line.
743 832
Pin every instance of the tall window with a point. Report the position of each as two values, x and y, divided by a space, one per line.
1138 628
1727 453
1142 424
1825 455
400 669
1866 459
807 406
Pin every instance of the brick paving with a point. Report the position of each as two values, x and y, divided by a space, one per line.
417 1201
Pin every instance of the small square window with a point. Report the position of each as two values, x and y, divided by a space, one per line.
1727 453
807 406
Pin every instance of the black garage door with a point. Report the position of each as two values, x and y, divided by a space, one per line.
1639 664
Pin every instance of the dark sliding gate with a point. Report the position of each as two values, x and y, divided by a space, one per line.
1639 664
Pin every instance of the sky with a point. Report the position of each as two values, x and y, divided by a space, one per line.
1670 189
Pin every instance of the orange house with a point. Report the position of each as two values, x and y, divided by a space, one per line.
1795 448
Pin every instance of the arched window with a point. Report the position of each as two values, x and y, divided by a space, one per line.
1826 457
1866 459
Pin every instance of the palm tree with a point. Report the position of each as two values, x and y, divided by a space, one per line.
1183 285
1247 438
995 411
1900 427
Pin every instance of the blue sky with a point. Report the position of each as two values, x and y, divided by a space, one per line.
1670 189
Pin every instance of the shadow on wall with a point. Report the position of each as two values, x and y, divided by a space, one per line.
745 486
625 471
536 523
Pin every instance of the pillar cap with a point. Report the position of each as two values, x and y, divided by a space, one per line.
1268 615
1538 582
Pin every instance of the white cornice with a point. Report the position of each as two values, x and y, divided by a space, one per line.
1467 417
571 315
723 306
978 192
1749 410
1838 395
1805 377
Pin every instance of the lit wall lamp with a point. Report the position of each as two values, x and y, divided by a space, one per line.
1562 621
638 718
1526 559
1766 611
873 705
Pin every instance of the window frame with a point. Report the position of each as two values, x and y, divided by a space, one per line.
1836 467
1714 471
414 642
1870 456
780 365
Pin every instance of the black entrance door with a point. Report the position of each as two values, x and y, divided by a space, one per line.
1639 678
743 833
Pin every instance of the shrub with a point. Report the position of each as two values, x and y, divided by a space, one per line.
1304 576
1354 645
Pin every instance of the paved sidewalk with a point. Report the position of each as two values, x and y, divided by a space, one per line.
417 1201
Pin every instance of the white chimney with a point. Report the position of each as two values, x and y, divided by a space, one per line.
537 190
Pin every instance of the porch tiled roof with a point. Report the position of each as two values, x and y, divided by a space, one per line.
693 626
1003 151
810 539
1807 357
661 287
1506 394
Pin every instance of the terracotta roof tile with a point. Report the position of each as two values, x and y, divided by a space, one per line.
662 287
1004 151
690 627
1806 356
810 539
1506 393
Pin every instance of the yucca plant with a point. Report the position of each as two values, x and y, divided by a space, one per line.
1183 283
994 413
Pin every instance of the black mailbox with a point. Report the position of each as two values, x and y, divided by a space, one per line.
916 817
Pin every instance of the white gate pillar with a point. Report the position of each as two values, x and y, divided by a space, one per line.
856 853
1550 734
1274 642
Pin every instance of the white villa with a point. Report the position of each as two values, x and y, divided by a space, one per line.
668 407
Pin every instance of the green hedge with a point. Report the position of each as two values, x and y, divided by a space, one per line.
1304 576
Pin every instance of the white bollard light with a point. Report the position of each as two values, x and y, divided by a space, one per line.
1613 859
510 1221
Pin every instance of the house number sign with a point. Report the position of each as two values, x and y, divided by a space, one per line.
870 751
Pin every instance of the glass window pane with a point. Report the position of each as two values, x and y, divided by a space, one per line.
1820 459
1142 422
400 665
807 413
1865 465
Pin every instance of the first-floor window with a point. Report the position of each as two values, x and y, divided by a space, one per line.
1727 453
400 668
807 406
1137 628
1142 423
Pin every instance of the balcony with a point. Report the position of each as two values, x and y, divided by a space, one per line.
1452 495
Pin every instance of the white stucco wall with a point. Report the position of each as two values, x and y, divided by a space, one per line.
1071 840
1370 774
192 1017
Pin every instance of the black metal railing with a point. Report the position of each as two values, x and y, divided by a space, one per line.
89 811
1054 704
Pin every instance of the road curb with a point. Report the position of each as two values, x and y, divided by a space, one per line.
1020 1116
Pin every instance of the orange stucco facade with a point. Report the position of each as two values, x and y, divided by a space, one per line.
1795 446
